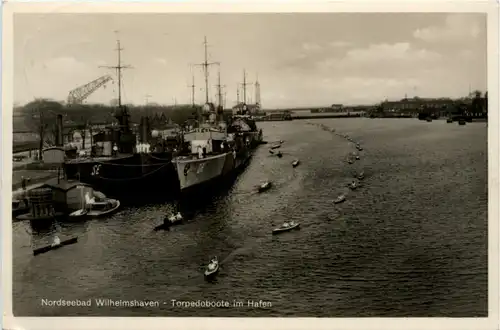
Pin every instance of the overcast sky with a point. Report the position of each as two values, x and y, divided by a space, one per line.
300 59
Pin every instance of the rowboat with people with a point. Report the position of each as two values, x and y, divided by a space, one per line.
287 226
265 186
212 267
56 244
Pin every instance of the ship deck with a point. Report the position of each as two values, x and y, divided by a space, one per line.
194 157
96 159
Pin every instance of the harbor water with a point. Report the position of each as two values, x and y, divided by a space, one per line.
412 241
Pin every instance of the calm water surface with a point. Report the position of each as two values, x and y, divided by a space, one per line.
411 242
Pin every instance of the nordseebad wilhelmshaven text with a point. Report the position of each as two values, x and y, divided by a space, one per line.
100 302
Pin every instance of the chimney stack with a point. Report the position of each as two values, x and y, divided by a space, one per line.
59 130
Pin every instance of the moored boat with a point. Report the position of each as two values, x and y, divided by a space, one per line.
296 163
210 152
95 204
287 226
214 148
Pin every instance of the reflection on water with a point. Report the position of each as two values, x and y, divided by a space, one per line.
411 242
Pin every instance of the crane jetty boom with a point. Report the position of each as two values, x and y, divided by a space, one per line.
79 94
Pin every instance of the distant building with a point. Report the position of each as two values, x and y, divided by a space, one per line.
337 107
416 103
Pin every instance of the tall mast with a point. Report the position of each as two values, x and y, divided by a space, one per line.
237 95
119 67
244 86
192 86
219 91
205 66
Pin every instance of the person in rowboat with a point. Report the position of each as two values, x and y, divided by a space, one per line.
56 242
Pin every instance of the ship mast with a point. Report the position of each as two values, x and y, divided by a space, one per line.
119 67
245 84
121 115
219 91
205 66
192 86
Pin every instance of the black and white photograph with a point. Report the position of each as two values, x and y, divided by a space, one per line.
251 164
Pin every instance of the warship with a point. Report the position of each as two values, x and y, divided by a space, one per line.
217 148
122 161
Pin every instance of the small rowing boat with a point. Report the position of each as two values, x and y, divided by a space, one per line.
265 186
174 219
353 185
339 199
55 245
287 226
212 267
295 163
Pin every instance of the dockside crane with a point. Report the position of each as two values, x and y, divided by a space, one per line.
79 94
